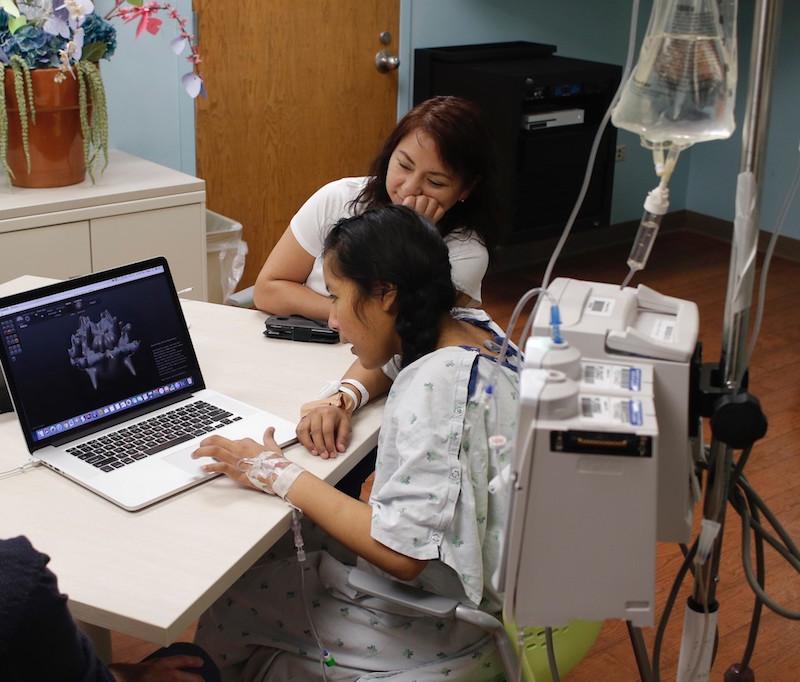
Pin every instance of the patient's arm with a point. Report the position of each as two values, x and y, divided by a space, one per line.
338 514
349 521
280 287
366 488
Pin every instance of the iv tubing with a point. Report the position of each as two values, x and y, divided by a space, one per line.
581 195
595 144
501 356
762 285
301 558
667 166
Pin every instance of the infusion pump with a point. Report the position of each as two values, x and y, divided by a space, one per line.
605 322
603 462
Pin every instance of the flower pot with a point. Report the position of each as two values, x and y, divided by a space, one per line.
55 141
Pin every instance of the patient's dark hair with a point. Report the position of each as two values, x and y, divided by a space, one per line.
393 245
466 149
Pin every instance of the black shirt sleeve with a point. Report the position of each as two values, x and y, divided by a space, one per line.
38 637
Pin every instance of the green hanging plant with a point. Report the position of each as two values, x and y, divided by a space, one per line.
92 107
4 125
18 68
22 85
92 93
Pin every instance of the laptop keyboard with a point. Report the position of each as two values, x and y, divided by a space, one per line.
132 443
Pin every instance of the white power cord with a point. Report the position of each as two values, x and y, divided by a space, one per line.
20 469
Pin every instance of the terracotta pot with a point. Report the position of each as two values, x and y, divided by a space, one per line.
55 140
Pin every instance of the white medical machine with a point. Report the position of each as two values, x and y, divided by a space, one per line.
585 492
607 323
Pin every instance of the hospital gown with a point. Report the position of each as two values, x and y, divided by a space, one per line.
430 500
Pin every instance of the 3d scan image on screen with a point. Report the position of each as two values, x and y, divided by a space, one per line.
103 349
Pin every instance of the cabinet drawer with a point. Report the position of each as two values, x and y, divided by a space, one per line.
178 233
60 251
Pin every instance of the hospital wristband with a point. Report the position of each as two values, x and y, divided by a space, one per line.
360 388
353 396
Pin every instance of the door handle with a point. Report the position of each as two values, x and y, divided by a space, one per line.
385 61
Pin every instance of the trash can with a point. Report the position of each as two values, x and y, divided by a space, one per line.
226 252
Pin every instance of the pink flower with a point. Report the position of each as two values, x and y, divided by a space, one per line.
145 15
147 22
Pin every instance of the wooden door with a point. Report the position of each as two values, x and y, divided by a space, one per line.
294 101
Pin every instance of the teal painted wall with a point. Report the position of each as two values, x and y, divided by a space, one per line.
149 114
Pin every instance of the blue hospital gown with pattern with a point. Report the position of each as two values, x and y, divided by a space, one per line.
430 501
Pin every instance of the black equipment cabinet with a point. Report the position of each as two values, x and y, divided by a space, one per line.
543 111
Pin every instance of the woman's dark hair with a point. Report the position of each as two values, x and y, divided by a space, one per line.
393 245
466 149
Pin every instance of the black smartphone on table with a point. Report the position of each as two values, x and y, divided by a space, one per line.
299 328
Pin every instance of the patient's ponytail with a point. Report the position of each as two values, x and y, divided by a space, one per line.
393 245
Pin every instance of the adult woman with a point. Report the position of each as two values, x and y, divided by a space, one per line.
436 161
430 517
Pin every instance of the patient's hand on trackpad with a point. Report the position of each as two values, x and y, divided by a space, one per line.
184 461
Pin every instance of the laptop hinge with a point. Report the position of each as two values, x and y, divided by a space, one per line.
120 418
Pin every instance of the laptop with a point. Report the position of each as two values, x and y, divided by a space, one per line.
107 388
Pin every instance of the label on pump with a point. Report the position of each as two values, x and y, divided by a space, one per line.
613 410
664 330
612 376
600 306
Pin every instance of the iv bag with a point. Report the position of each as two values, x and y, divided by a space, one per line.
683 88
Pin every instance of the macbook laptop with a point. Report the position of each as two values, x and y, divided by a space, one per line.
107 387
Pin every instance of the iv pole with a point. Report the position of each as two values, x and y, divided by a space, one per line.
741 274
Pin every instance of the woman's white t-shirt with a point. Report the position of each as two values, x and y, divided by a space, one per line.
329 204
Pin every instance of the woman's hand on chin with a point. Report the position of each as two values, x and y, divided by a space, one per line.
425 206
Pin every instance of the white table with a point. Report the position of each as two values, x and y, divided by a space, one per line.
151 573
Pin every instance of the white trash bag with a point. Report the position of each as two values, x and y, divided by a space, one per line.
226 256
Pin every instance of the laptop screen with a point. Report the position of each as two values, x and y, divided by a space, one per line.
91 350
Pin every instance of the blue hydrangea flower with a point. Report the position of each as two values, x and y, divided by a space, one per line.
30 42
40 48
98 30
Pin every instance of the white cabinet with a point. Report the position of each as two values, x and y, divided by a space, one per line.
136 210
60 251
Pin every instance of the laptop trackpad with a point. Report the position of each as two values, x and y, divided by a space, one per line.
183 460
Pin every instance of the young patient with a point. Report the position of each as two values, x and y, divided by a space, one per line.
430 518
